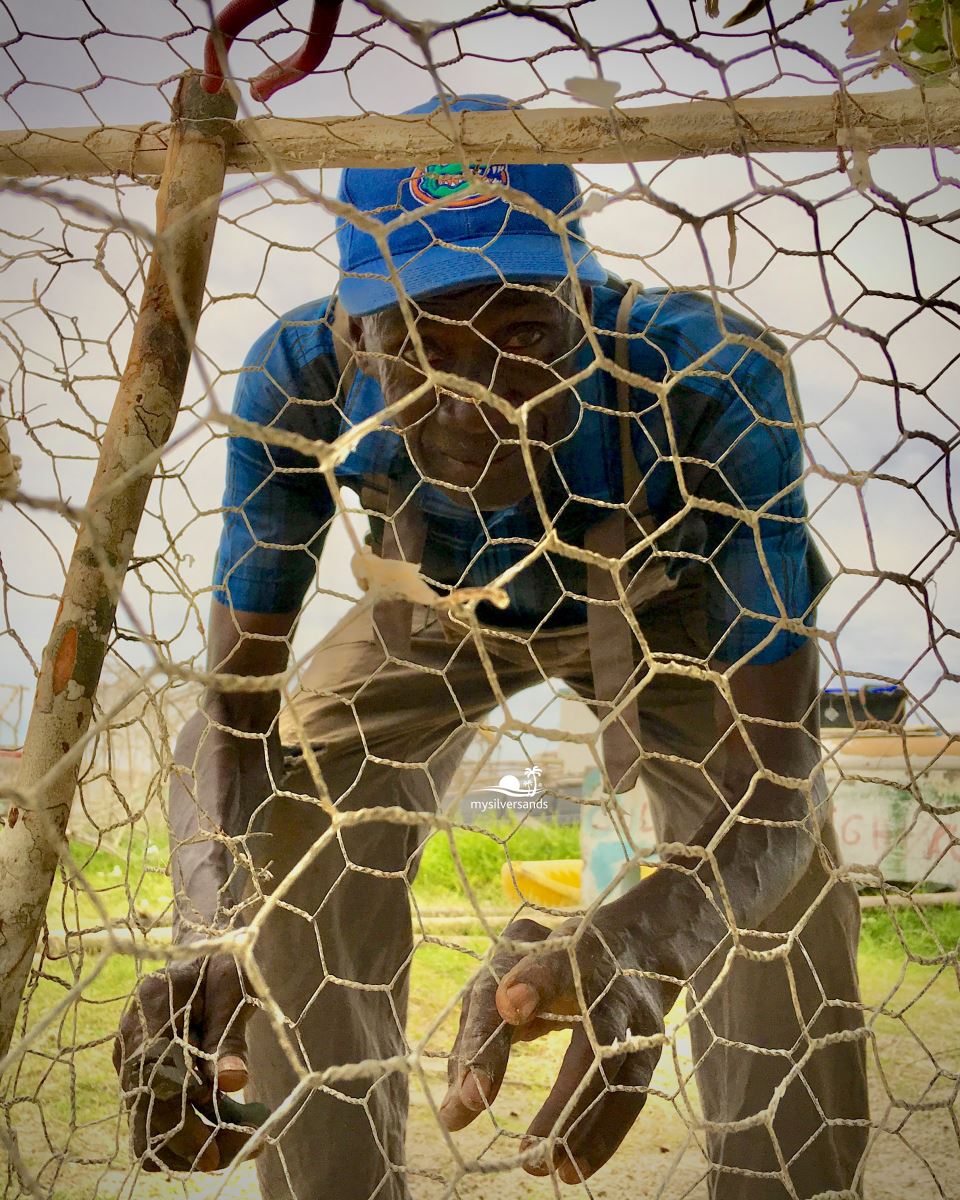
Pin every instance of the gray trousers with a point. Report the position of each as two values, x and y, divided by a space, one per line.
336 953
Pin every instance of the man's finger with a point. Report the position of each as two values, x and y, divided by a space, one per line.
237 1124
579 1063
476 1067
538 1027
231 1142
225 1015
594 1136
162 1116
160 1160
173 1132
545 982
231 1073
454 1114
194 1141
485 1046
165 1158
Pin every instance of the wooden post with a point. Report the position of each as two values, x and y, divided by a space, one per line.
904 117
143 417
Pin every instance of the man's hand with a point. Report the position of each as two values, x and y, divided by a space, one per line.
182 1043
522 995
180 1117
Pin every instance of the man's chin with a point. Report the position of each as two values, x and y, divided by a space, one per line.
503 483
482 497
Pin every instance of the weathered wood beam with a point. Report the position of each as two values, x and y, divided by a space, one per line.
140 424
907 117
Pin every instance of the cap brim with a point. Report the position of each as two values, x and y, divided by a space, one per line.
516 258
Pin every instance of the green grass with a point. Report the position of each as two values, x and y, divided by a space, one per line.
481 854
132 878
905 963
920 934
122 878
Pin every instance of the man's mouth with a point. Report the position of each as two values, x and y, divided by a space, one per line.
476 455
465 469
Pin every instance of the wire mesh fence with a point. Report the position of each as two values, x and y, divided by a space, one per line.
537 630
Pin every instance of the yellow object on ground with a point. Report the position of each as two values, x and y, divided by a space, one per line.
553 882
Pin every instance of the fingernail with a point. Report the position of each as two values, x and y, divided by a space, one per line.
521 1001
231 1073
536 1165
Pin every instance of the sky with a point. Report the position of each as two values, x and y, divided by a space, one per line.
107 62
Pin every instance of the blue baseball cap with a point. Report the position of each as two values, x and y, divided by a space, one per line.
476 238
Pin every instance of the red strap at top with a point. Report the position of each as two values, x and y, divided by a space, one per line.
241 13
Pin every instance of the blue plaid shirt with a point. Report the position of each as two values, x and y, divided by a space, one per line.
735 435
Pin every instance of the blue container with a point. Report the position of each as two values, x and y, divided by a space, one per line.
605 837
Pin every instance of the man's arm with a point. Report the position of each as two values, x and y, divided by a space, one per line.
766 847
619 974
227 759
277 509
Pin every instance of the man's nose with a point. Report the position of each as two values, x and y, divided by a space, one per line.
470 417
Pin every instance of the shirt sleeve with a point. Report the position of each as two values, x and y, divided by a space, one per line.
276 504
737 433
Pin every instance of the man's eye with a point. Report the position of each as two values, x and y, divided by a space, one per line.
409 355
519 338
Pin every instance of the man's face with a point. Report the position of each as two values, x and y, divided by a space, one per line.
511 341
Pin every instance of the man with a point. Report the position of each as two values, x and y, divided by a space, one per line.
626 464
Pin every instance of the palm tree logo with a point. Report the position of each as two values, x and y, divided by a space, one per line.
528 787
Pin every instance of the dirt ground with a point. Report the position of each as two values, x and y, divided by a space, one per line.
654 1152
916 1159
914 1155
914 1058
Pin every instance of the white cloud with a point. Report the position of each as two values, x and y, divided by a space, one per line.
270 255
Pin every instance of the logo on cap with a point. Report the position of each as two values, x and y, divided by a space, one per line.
437 181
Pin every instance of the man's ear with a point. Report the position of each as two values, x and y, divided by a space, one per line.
345 330
569 296
355 334
363 341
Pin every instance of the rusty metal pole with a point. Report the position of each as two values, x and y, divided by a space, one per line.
141 422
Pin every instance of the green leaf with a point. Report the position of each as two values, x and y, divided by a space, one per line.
751 10
234 1113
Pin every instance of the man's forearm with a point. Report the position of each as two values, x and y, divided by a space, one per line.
759 837
685 910
227 760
